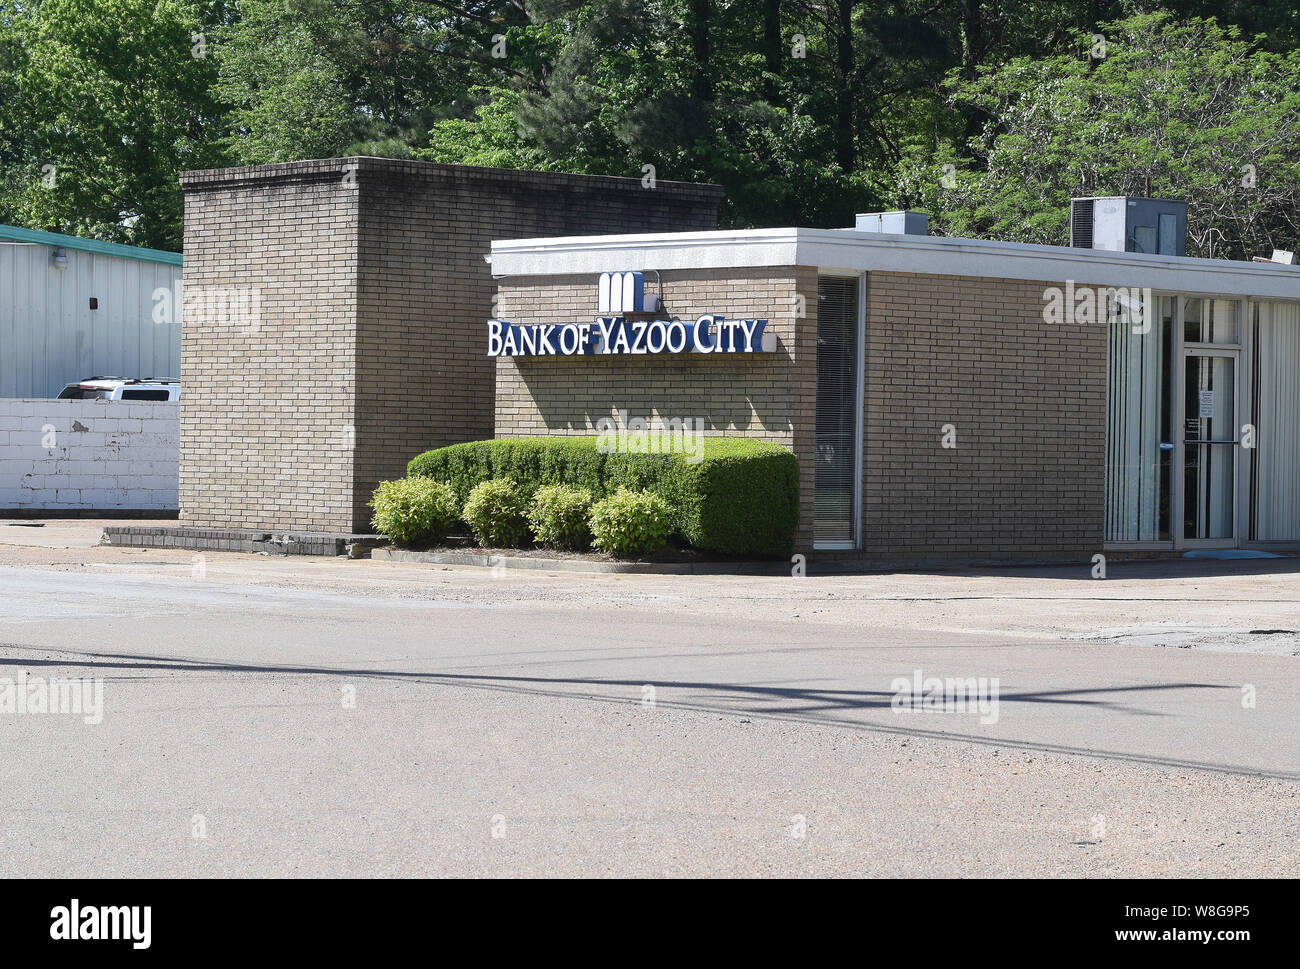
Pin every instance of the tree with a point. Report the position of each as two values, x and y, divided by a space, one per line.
698 90
805 111
1185 110
490 138
287 95
106 101
316 78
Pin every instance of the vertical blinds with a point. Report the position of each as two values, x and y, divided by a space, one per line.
1134 403
1275 504
837 396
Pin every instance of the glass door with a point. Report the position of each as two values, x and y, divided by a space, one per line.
1210 444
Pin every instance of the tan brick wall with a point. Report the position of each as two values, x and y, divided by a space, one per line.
265 401
1028 400
768 396
426 291
374 292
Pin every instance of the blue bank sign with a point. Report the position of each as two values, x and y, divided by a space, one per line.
711 333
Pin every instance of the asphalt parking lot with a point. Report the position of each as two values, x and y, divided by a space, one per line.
270 715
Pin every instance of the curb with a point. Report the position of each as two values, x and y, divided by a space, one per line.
239 540
143 514
579 565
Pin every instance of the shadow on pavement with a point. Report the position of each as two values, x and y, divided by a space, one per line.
807 705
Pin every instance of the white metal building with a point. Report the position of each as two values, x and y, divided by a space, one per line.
72 308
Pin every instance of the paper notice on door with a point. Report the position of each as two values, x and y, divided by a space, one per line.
1206 398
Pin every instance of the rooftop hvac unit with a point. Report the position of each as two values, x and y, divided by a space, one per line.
897 223
1122 224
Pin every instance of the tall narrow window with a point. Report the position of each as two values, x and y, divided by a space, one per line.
1275 459
1138 449
834 487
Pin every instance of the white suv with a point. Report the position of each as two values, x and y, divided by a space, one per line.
119 388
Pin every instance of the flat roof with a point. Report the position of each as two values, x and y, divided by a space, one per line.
36 237
850 250
368 166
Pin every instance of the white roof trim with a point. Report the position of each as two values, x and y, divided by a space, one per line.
847 249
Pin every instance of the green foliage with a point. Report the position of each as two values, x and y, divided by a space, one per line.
558 515
740 498
630 523
314 78
1185 110
497 511
862 112
490 137
530 461
288 93
414 511
102 103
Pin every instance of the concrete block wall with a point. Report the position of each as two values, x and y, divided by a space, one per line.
106 455
370 344
770 396
1027 400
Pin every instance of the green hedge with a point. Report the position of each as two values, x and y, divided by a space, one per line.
741 499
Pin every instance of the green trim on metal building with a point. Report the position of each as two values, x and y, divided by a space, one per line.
13 233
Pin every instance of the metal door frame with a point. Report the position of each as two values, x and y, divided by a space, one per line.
1178 497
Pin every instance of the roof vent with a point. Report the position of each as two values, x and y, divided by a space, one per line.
1124 224
896 223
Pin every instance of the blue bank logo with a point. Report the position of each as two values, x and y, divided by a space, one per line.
624 293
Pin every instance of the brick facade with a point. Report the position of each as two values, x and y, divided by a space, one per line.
1027 401
363 344
769 396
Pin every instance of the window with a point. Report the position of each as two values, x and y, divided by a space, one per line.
834 480
145 395
1275 458
1138 452
1209 320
